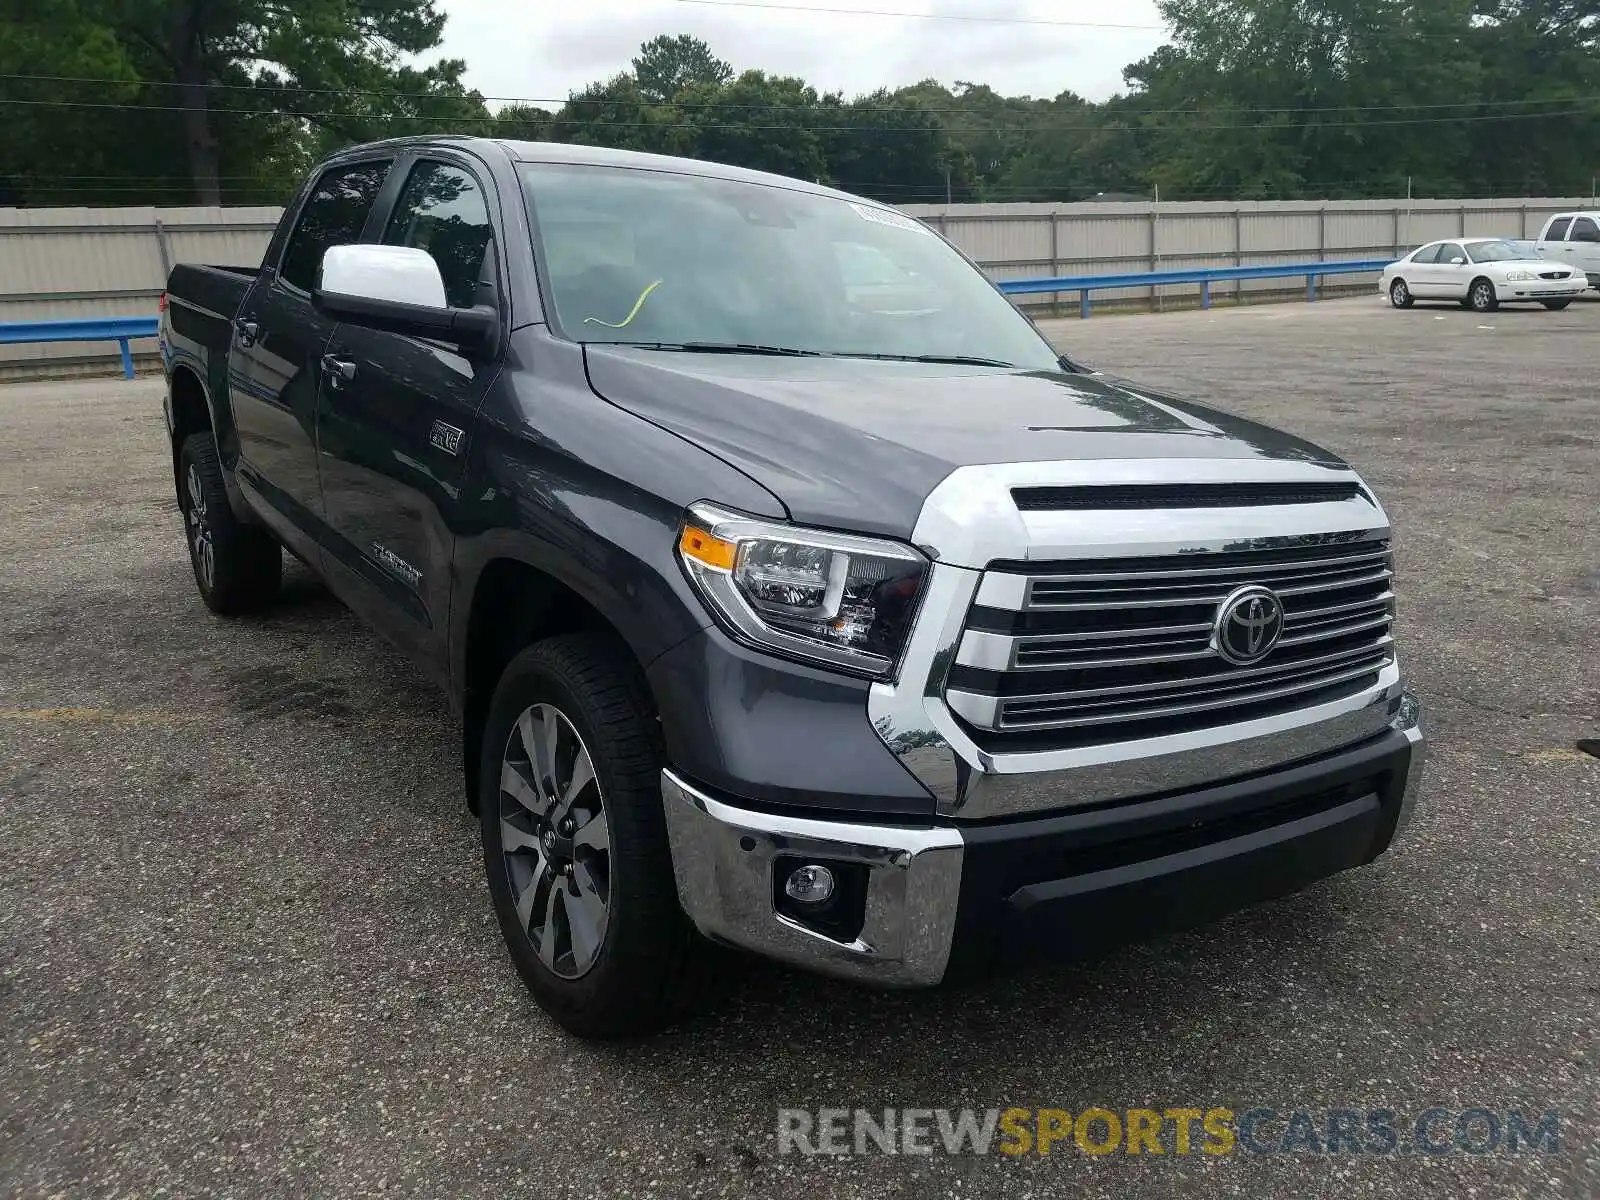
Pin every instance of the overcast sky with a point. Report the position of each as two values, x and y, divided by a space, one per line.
543 50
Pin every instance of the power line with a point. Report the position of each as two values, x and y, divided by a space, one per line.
806 128
965 110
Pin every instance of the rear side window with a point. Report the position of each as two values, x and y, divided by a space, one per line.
1427 254
442 211
333 216
1584 230
1558 229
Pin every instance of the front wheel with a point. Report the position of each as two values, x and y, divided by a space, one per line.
1400 295
575 840
1482 296
1555 305
237 567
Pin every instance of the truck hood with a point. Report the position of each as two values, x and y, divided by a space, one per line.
858 444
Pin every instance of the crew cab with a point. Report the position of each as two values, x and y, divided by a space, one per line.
1573 238
791 591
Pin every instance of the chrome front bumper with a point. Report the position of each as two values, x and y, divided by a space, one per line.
724 857
725 861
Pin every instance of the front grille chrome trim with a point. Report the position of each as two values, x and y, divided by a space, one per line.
969 523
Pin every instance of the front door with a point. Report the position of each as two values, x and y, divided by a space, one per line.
1583 239
1452 275
274 368
396 413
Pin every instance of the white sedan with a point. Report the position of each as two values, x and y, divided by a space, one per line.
1479 273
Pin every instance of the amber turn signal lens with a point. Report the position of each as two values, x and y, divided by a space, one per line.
703 548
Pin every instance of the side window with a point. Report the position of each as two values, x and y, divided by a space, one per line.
1427 254
333 216
442 211
1453 255
1558 229
1584 230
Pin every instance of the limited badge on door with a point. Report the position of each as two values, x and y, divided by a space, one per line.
446 437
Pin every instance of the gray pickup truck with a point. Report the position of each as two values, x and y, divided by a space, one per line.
791 590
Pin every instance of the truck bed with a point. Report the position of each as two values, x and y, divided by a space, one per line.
215 290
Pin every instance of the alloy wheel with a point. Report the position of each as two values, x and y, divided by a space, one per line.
200 538
555 840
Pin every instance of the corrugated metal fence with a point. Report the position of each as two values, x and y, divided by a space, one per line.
79 262
73 263
1021 241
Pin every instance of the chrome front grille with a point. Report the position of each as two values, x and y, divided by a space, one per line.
1107 650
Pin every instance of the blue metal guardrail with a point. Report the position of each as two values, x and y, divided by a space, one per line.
1204 276
103 329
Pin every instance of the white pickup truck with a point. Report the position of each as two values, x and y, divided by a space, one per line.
1573 238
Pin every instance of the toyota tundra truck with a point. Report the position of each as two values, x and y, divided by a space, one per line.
791 590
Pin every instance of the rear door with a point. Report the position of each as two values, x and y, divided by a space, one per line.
396 414
274 369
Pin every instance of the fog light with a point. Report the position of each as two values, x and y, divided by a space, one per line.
809 884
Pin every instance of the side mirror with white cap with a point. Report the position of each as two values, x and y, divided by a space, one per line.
399 289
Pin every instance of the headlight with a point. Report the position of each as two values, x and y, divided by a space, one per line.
806 593
1518 276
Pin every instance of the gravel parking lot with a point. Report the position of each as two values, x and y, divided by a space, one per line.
245 947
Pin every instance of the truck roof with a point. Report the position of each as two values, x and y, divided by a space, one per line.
604 156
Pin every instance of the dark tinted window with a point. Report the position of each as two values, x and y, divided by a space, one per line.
1427 254
442 211
1452 254
1584 230
332 216
1558 229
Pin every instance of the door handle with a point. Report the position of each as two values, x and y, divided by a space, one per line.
248 331
338 370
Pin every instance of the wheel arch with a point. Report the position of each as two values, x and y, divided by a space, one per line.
191 411
511 601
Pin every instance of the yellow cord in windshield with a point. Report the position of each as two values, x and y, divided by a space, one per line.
634 312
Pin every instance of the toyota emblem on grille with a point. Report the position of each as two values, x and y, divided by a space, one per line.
1248 625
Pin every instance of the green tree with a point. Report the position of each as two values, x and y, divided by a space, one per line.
237 83
1264 98
894 148
766 122
666 65
615 113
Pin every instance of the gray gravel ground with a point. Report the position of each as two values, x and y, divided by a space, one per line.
245 949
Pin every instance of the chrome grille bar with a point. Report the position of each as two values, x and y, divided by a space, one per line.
1130 641
1175 707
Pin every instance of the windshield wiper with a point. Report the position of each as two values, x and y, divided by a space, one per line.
719 348
956 360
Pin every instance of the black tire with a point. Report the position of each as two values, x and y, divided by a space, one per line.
1555 305
237 567
1400 295
1481 296
644 973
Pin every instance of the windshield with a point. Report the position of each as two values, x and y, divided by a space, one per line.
1494 251
648 257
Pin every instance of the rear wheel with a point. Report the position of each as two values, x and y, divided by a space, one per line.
1400 295
1482 296
1555 305
575 840
237 567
